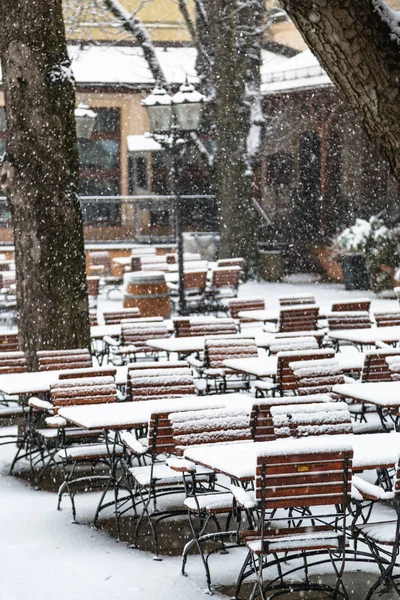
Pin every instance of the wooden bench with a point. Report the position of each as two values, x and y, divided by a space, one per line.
57 360
376 367
317 376
387 319
140 369
12 362
358 304
296 299
116 317
93 288
314 419
293 344
349 320
285 379
153 385
261 422
317 476
9 342
216 351
239 304
299 318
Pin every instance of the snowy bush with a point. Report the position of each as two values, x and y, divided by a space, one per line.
379 246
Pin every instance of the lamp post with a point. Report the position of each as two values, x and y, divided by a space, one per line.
85 120
171 117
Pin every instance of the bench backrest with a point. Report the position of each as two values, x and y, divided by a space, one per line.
12 362
195 280
231 262
203 327
209 426
136 334
261 423
296 299
93 318
93 286
57 360
142 368
315 478
302 318
349 320
387 319
101 257
226 277
356 304
161 386
218 350
90 390
238 304
9 342
317 376
292 344
376 366
306 420
116 317
285 378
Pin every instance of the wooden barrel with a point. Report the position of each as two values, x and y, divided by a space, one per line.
147 291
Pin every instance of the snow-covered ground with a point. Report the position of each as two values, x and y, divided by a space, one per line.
43 556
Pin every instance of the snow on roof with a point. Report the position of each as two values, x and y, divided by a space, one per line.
127 65
300 71
142 143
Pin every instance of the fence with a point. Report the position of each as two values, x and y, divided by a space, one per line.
133 218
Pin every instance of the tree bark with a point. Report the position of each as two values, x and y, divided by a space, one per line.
357 43
39 176
234 27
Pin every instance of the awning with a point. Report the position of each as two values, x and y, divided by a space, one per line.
142 143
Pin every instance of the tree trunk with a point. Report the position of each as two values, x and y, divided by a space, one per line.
357 42
39 177
232 27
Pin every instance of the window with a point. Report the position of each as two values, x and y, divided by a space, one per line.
100 173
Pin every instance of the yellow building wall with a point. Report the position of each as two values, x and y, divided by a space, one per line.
162 19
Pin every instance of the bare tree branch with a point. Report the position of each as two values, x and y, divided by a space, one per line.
134 26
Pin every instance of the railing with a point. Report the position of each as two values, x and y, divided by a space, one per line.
129 218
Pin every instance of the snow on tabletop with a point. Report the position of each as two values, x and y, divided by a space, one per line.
309 445
135 373
284 400
84 382
260 367
336 408
382 393
317 353
162 380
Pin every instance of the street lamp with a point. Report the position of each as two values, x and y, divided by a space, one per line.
172 117
85 120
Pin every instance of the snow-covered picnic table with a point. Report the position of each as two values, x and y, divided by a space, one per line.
101 331
187 345
383 394
17 384
272 315
238 460
267 366
125 415
367 337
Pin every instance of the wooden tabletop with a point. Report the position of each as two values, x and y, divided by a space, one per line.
238 460
16 384
125 415
380 393
367 336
